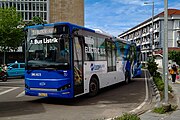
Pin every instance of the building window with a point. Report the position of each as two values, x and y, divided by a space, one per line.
37 7
18 6
30 6
22 6
34 6
41 7
30 16
26 6
26 16
45 16
45 7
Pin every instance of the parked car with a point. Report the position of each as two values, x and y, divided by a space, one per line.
16 69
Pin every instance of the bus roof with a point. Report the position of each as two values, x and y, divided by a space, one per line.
61 23
78 27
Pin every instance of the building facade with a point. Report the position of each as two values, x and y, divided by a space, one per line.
151 40
50 10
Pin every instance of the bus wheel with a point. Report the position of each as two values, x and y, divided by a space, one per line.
127 78
93 87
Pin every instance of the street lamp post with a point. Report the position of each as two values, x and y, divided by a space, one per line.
152 24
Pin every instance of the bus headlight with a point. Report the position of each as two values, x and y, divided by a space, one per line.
64 87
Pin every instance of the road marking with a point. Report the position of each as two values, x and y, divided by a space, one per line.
142 104
9 90
7 82
146 98
21 94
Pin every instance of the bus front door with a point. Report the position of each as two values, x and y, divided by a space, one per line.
78 66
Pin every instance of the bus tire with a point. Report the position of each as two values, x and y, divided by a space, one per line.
93 87
127 77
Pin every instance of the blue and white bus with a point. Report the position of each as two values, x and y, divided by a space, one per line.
66 60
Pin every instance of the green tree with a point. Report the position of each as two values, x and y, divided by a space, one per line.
36 20
11 36
174 56
152 66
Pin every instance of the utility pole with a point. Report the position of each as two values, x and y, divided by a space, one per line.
165 52
152 26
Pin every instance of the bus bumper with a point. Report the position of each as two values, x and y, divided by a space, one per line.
57 94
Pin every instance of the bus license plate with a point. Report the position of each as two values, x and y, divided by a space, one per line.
42 94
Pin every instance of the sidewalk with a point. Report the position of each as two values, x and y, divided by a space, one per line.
175 115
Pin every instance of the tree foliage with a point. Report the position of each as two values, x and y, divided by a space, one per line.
174 56
152 66
36 20
11 36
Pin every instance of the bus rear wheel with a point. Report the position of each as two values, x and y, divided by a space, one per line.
93 87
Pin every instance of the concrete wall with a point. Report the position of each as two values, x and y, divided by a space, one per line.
159 60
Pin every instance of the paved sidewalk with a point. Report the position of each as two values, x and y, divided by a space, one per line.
149 115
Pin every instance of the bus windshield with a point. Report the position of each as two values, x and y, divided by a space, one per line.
48 47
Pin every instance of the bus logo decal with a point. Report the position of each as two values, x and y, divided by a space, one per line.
95 67
42 83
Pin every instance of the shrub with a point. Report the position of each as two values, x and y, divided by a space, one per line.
163 109
159 110
174 56
152 66
160 83
128 116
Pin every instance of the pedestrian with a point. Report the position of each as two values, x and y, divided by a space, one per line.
169 69
173 71
4 67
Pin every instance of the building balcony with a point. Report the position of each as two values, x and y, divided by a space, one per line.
178 38
143 43
146 48
177 27
156 39
156 30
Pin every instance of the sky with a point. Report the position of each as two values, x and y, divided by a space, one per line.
117 16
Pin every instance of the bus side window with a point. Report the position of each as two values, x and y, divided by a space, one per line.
88 47
111 52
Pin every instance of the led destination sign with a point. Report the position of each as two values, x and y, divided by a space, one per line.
44 41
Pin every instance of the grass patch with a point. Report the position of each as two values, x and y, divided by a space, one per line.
164 109
128 116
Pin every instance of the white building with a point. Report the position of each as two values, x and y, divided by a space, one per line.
50 10
142 33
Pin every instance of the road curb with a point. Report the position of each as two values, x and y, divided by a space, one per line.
156 93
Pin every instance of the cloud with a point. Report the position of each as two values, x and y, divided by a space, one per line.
130 2
175 5
116 16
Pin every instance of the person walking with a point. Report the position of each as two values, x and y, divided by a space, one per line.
173 71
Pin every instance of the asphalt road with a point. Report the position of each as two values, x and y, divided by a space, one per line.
110 102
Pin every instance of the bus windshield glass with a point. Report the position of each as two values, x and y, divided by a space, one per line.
48 47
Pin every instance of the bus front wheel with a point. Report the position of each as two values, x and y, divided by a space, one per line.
93 87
